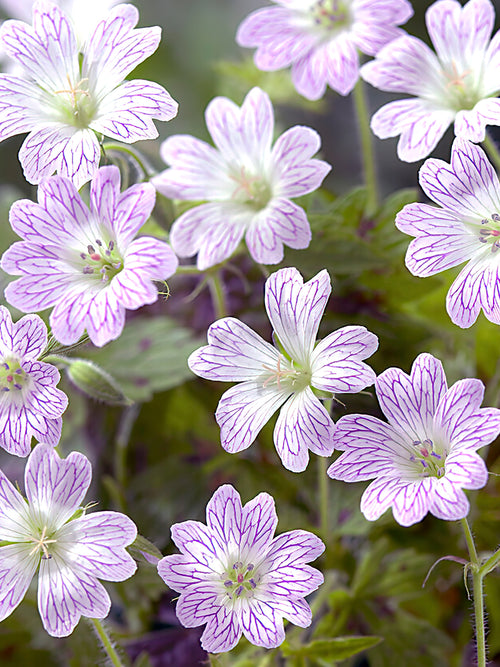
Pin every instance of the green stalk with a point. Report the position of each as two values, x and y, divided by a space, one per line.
368 155
490 564
135 155
107 644
477 592
493 151
217 292
323 483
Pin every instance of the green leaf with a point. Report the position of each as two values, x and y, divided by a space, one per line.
142 546
150 356
335 649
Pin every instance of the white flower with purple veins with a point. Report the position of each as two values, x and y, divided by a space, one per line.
234 576
465 227
321 39
30 404
286 376
247 182
66 99
427 454
85 262
458 84
50 532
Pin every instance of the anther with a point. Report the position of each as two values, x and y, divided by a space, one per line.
239 590
252 583
99 242
83 255
495 217
18 386
228 583
237 565
90 249
111 245
6 366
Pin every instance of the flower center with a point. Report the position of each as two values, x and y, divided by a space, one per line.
286 375
460 87
252 191
489 232
430 463
102 260
240 580
74 103
12 376
330 14
40 543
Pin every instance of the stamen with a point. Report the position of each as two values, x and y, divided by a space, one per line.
83 255
18 386
91 249
228 583
6 366
99 242
239 590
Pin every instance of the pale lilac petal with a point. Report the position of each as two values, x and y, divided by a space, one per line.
19 106
295 309
222 632
245 131
13 514
336 364
458 31
298 174
180 572
442 241
115 48
258 523
198 171
30 337
460 419
421 137
55 487
210 230
243 410
371 448
466 469
468 186
262 624
224 515
303 424
476 286
99 540
294 547
126 114
235 353
412 401
17 569
449 502
105 318
197 605
379 496
281 222
65 594
414 500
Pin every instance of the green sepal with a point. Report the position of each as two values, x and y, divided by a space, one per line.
335 649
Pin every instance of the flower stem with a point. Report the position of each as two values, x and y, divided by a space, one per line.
323 482
490 564
493 151
365 134
218 298
125 427
135 155
106 642
477 592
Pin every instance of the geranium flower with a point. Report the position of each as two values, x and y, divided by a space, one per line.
458 84
51 533
422 459
233 575
285 375
64 98
321 39
30 404
85 263
247 182
466 226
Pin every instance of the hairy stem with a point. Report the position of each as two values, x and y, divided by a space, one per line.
218 297
106 642
365 135
477 592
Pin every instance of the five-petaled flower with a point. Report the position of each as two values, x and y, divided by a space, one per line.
236 577
86 263
30 403
53 534
66 98
285 375
458 84
427 454
321 39
466 226
247 182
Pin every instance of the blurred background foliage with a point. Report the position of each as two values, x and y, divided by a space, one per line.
156 451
